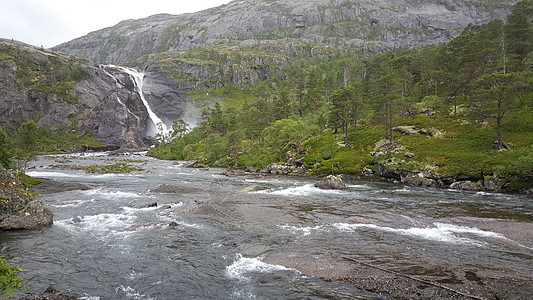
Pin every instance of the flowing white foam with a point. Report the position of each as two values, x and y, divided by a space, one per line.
359 186
90 297
243 266
115 194
131 293
298 191
441 232
101 226
49 174
303 230
73 203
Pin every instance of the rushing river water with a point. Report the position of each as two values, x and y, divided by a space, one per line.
248 237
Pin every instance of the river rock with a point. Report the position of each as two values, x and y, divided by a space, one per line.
34 216
150 205
48 186
13 195
283 169
196 165
492 183
367 172
251 170
331 182
465 186
233 172
420 181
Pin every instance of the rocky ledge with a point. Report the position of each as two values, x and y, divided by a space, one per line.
18 209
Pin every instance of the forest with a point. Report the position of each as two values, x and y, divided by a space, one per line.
461 108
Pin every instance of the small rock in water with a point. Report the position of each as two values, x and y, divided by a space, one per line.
331 182
149 205
173 225
51 289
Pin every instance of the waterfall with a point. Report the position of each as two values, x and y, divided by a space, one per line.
158 125
138 78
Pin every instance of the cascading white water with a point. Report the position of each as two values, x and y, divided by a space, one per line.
138 78
119 85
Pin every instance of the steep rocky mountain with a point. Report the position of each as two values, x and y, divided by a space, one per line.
361 24
247 41
241 43
69 94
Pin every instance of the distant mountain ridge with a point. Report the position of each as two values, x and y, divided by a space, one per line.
343 24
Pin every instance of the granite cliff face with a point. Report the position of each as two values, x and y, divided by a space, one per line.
362 24
65 93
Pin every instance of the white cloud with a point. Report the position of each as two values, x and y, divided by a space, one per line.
51 22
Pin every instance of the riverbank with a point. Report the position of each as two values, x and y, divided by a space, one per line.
379 172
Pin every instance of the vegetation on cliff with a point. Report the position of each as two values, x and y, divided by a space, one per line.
461 108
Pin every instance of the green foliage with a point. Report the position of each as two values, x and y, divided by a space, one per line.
9 281
119 167
30 139
27 180
26 139
6 153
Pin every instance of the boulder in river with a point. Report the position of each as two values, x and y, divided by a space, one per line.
34 216
465 186
331 182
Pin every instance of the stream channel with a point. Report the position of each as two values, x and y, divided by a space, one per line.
255 237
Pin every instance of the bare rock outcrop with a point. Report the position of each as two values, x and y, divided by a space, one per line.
342 23
18 209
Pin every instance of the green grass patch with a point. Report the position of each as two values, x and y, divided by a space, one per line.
28 180
119 167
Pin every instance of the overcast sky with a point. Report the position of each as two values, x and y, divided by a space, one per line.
51 22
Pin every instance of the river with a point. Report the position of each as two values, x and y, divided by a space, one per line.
252 237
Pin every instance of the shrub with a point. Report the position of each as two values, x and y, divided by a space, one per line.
9 281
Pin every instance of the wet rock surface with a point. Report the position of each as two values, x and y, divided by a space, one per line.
48 186
331 183
34 216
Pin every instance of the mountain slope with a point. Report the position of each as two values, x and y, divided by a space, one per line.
338 23
67 94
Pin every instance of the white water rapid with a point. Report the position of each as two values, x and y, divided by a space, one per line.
138 78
